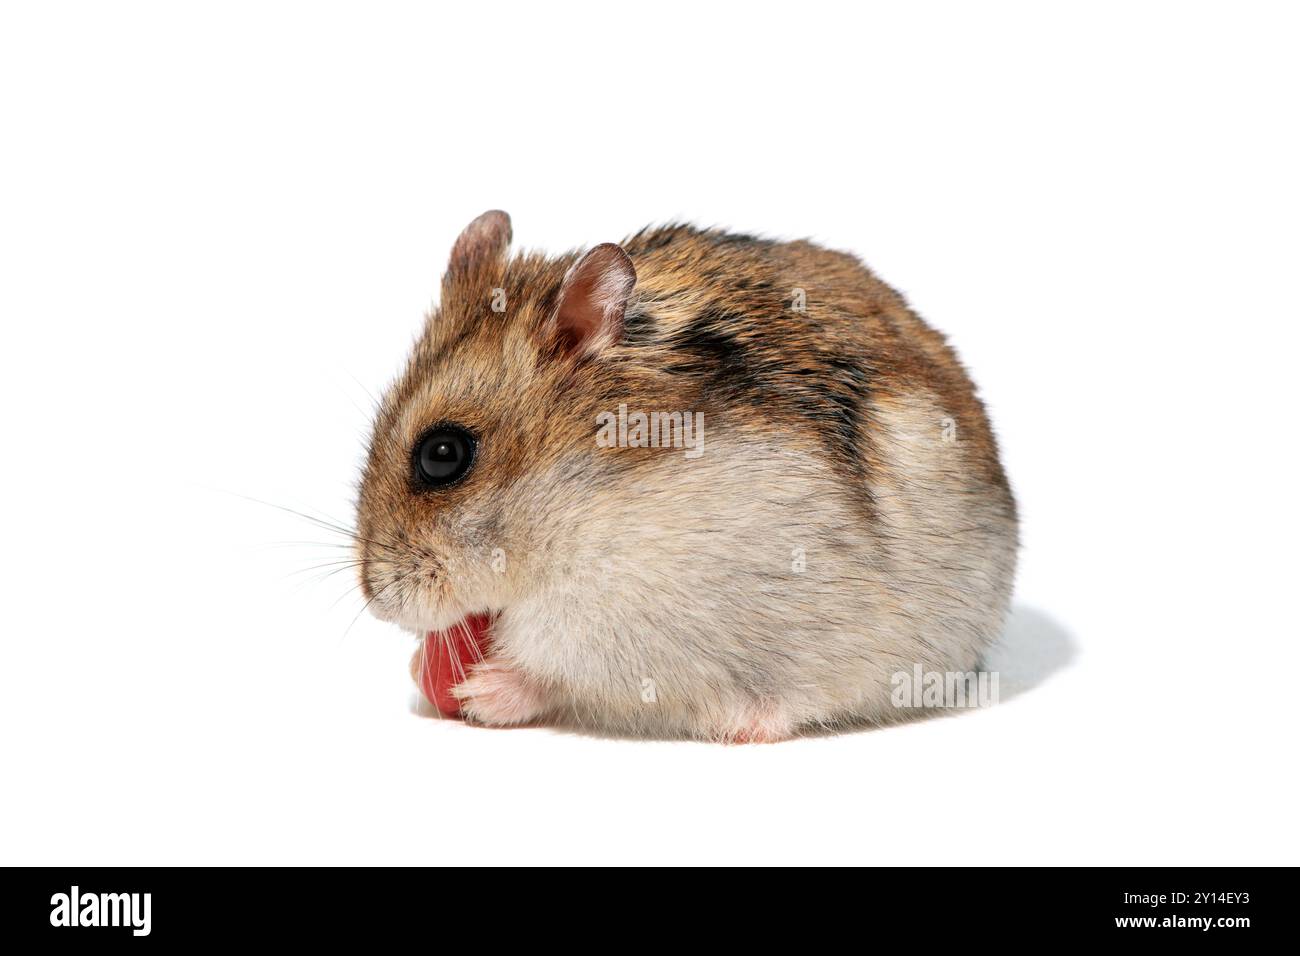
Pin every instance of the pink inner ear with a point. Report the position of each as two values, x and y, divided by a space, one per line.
593 298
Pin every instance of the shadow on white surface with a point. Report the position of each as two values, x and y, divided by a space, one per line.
1032 648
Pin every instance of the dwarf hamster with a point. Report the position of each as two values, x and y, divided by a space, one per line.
696 484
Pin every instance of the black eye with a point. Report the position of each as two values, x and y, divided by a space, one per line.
443 455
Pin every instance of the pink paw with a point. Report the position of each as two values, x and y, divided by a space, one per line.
498 695
758 725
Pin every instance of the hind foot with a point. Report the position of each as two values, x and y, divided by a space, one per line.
758 724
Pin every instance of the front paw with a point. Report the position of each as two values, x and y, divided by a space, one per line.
499 696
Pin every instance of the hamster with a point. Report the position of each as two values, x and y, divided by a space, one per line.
694 485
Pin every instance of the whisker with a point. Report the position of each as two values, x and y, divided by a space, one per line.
475 651
346 594
392 544
424 669
457 668
348 563
365 607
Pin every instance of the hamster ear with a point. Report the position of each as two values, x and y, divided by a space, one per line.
487 237
593 297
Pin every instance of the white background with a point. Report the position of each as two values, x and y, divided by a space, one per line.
220 227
